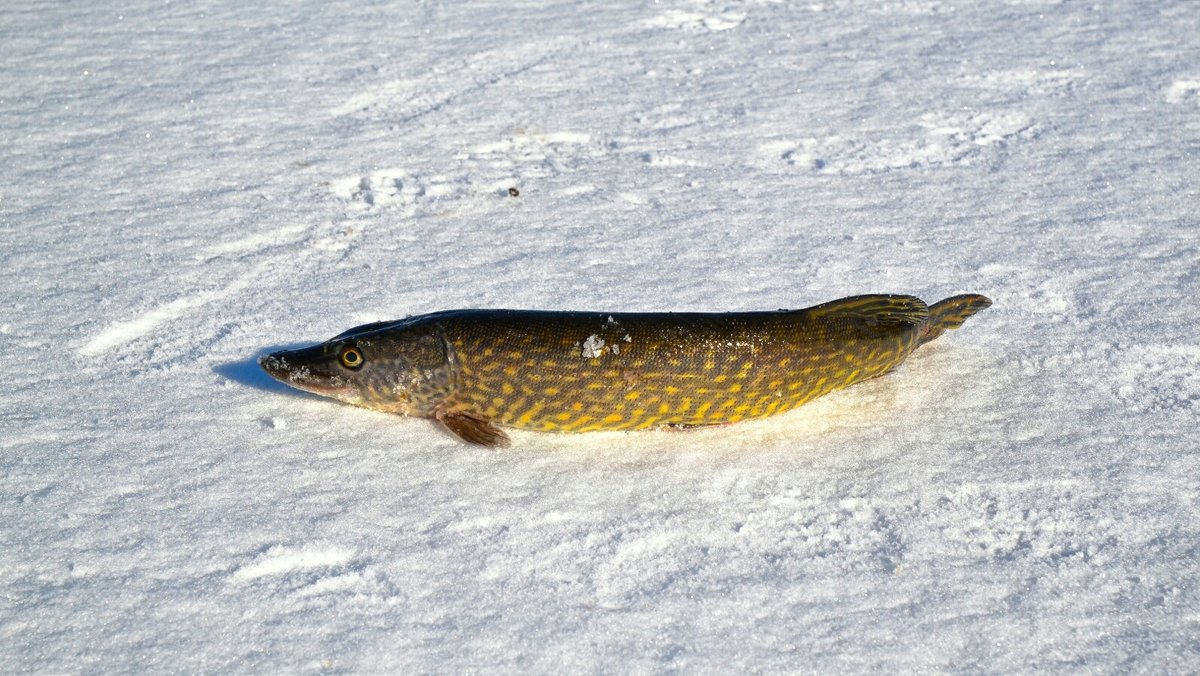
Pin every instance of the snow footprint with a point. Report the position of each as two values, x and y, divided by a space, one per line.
396 187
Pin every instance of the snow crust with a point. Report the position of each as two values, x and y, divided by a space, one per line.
186 187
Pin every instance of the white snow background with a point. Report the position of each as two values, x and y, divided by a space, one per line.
185 186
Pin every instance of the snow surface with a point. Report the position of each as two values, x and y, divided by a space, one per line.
188 185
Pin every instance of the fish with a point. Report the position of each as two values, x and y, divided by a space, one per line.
476 371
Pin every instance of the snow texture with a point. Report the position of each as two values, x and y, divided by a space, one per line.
186 186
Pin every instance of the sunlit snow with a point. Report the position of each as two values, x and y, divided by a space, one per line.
189 186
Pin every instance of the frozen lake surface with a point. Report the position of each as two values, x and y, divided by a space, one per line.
187 186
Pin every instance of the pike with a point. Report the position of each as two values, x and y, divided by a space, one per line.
475 371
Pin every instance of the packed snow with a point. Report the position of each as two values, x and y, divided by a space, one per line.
187 186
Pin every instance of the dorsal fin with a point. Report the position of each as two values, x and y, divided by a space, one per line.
876 309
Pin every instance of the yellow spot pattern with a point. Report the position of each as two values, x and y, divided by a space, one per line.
752 366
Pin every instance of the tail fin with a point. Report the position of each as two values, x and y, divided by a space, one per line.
950 314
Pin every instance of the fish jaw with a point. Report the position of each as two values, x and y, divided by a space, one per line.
292 368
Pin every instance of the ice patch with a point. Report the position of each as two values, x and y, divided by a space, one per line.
581 189
563 137
284 560
1035 81
252 242
123 332
593 347
332 585
1182 90
486 522
379 94
677 19
406 99
657 159
553 150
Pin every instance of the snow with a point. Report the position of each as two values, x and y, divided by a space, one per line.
188 186
593 347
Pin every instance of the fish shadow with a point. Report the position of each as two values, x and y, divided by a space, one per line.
248 372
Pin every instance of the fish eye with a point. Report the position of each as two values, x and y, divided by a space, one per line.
351 357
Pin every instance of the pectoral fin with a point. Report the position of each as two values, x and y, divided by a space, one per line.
473 428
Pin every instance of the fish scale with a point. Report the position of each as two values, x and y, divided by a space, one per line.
583 371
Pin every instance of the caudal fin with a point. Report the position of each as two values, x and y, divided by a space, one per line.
950 314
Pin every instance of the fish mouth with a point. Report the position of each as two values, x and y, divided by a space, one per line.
299 376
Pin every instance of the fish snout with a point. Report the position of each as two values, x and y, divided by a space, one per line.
275 365
306 370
